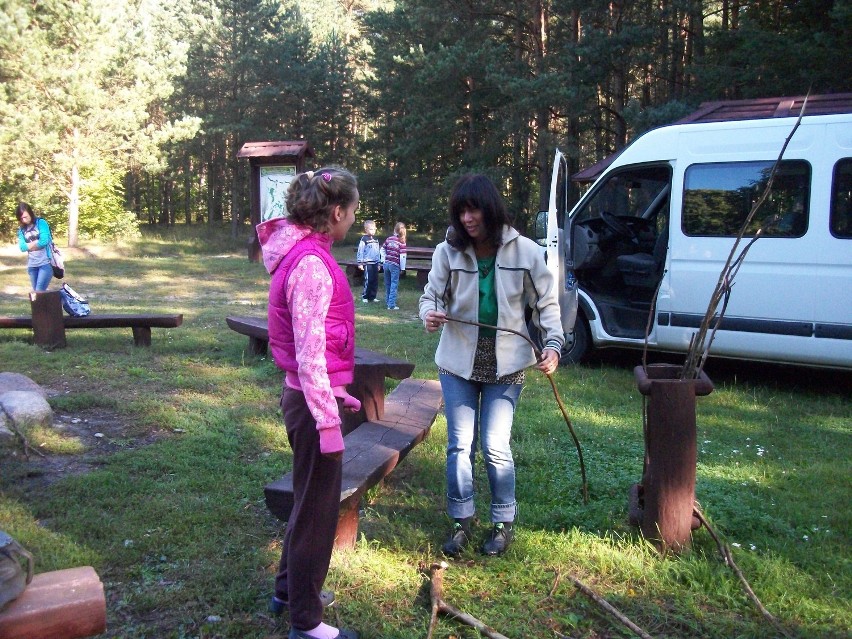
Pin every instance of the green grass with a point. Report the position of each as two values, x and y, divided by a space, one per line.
174 520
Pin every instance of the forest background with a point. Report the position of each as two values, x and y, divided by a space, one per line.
116 114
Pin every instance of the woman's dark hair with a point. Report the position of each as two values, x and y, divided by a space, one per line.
22 208
477 191
313 195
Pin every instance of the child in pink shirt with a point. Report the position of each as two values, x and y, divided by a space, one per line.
312 339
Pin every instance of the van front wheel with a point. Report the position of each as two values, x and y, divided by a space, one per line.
576 343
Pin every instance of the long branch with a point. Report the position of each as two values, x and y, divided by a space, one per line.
562 408
697 347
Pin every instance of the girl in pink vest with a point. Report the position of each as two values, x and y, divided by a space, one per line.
312 339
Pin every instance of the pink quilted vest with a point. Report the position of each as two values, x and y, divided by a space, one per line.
339 323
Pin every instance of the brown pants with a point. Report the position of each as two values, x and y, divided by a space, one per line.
311 529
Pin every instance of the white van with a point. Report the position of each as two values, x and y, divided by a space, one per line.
655 229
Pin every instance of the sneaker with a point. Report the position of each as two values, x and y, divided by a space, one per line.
276 606
363 300
375 301
459 538
501 536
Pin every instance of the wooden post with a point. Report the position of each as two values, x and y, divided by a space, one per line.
347 525
369 387
141 335
668 482
258 346
48 322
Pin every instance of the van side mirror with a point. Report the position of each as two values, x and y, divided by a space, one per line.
540 228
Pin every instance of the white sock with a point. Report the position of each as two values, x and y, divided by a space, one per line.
323 631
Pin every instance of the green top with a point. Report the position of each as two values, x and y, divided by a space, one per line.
487 296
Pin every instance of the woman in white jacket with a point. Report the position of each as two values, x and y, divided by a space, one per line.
488 273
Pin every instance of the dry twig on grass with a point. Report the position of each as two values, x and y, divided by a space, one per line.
603 603
436 590
729 560
27 446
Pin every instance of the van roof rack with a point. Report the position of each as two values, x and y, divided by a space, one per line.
752 109
759 108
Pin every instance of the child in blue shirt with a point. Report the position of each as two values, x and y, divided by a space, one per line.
368 261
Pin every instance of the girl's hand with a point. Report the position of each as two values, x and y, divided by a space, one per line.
549 361
351 404
433 320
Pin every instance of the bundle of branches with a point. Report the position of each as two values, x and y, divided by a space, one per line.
699 346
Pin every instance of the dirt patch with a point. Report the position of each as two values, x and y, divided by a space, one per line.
100 431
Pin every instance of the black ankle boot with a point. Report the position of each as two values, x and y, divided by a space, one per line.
459 538
499 540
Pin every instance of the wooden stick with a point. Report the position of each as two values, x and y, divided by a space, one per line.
538 356
729 560
439 605
603 603
27 446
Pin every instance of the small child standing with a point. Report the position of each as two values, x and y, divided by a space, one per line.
312 338
395 252
368 261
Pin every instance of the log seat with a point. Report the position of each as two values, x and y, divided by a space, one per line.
62 604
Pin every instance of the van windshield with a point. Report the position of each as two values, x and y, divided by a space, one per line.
636 192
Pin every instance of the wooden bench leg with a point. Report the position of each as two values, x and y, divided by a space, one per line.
347 525
257 346
369 387
355 274
141 335
64 603
48 322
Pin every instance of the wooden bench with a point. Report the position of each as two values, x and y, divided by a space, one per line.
373 450
418 261
63 604
371 369
377 438
356 275
48 322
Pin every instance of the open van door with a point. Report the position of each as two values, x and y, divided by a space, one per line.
549 234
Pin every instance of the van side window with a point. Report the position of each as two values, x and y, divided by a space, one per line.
718 197
841 200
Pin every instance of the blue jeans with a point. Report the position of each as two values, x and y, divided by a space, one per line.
476 410
40 276
391 283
